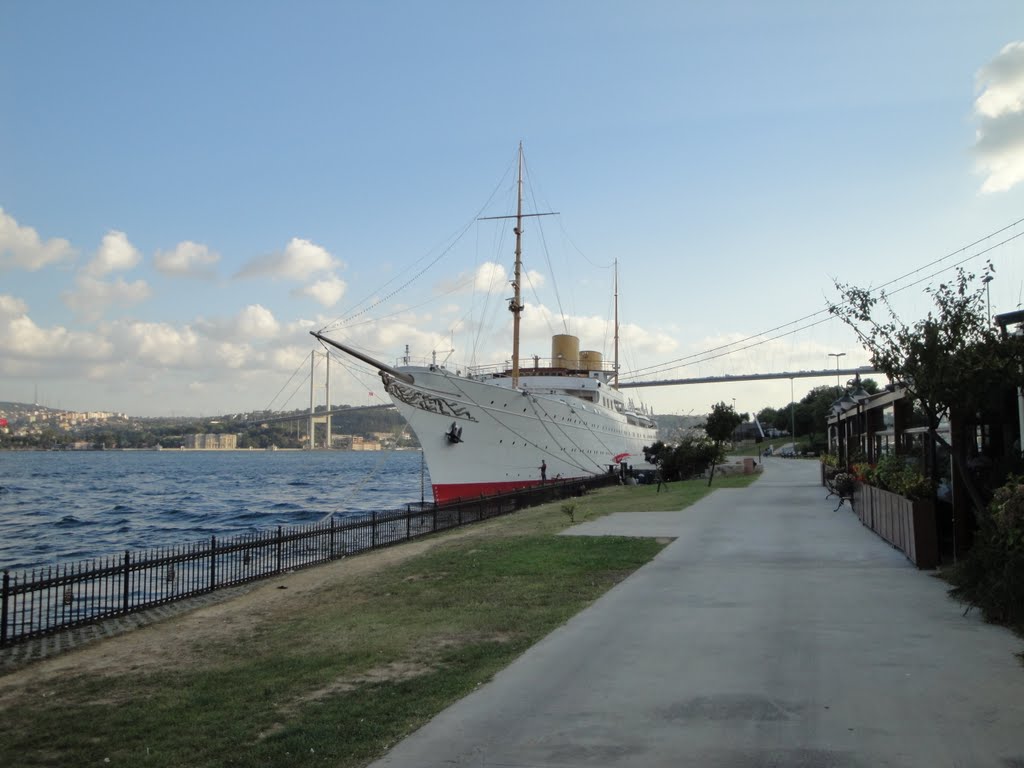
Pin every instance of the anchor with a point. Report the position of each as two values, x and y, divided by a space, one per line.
454 433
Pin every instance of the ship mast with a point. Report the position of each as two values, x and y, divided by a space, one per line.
516 304
615 372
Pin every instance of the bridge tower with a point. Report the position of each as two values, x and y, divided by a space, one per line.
313 418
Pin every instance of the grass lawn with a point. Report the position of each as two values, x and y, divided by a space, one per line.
339 672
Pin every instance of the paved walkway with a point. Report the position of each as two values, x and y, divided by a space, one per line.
772 632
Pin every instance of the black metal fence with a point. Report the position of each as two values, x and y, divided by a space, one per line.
46 600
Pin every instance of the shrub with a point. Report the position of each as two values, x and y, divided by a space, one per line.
865 473
894 473
569 510
991 577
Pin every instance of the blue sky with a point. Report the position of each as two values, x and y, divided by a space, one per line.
188 188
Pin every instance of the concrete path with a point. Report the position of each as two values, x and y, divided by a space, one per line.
772 632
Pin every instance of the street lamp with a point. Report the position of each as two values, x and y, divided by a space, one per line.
837 355
792 417
988 300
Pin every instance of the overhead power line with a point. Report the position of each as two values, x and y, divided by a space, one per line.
824 315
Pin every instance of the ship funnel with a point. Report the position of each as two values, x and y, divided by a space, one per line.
591 360
565 351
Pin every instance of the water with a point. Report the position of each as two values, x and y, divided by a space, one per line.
67 506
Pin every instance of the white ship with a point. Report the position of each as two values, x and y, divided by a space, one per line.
490 430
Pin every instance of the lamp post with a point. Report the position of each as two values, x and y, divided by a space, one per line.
988 300
837 355
792 417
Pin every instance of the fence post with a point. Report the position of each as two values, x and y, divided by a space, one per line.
332 537
408 521
434 529
279 549
373 530
3 608
213 562
127 580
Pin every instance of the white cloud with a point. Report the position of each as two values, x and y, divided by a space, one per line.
21 248
24 340
490 278
251 323
999 110
299 260
532 280
257 322
160 343
10 306
327 291
188 259
288 359
92 297
234 356
115 254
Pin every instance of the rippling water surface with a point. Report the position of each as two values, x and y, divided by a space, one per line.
67 506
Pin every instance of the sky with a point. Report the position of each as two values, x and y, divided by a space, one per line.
187 189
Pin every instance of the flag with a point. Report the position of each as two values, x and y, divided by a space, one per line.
3 422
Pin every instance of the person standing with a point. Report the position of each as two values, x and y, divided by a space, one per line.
543 470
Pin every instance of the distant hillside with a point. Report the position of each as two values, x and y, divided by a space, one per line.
362 421
24 407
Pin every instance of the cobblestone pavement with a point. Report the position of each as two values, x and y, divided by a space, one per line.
25 652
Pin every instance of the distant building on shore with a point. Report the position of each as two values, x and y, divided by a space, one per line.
211 442
358 443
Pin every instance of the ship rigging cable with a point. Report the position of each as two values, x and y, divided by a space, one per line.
526 441
535 402
444 252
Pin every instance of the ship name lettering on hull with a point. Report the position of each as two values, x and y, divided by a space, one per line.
423 401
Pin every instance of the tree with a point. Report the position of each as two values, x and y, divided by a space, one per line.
689 458
951 361
721 423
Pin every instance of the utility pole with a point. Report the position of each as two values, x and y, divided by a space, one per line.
988 299
836 355
792 416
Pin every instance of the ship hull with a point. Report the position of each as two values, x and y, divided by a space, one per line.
483 437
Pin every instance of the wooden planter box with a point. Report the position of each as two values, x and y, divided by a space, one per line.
907 525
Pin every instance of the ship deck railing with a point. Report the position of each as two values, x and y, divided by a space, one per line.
541 367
